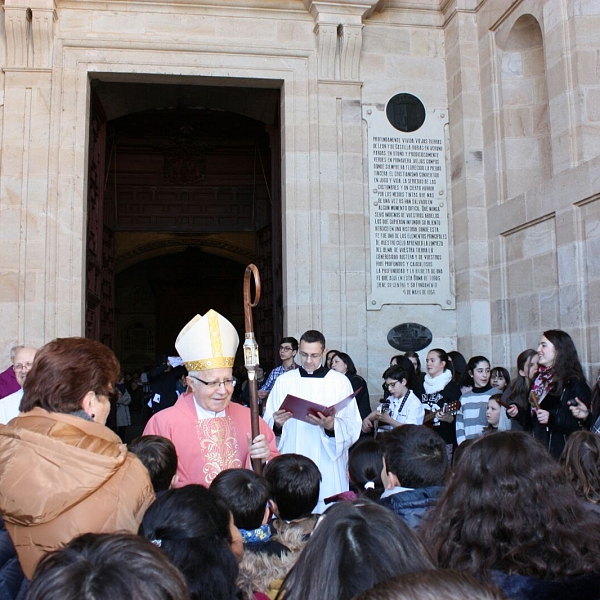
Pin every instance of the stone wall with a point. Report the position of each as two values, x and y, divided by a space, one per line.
539 75
520 81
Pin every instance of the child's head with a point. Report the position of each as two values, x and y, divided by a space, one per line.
108 566
414 457
365 463
195 530
159 456
295 482
245 494
499 378
492 414
396 379
477 373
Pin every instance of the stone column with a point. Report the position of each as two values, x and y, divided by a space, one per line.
469 212
24 175
339 216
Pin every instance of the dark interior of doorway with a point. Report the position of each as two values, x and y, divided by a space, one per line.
155 298
184 191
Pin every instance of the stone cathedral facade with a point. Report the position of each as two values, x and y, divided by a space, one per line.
218 133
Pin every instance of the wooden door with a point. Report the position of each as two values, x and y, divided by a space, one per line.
100 271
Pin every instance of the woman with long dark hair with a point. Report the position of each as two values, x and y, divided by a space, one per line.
416 361
509 515
581 462
559 381
517 393
342 363
354 546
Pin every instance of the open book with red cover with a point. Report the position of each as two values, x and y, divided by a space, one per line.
301 408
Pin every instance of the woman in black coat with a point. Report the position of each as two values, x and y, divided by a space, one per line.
559 381
342 363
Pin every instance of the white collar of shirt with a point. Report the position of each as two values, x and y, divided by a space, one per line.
206 414
395 490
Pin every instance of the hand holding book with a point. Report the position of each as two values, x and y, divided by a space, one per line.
301 408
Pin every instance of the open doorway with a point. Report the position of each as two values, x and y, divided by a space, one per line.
184 192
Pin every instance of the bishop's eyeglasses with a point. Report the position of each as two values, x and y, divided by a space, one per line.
227 383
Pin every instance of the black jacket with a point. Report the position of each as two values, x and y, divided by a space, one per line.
451 393
521 587
163 381
412 504
562 423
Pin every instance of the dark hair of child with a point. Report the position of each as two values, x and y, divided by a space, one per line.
396 372
159 456
192 527
245 494
295 483
416 455
365 462
103 566
500 372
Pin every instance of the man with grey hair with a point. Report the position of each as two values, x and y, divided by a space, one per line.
8 381
22 359
210 433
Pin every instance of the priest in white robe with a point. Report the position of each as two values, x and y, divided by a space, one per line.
325 440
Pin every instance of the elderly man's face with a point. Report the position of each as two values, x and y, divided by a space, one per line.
212 388
22 363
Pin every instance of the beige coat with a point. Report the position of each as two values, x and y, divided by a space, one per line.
61 476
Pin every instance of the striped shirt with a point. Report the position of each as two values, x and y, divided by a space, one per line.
471 419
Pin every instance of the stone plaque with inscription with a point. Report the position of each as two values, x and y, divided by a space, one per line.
410 258
409 336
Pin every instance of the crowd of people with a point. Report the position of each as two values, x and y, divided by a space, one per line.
462 483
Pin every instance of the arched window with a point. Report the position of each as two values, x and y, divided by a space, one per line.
524 112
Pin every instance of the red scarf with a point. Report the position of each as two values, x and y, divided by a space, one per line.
541 385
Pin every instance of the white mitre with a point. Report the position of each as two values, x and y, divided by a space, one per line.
208 342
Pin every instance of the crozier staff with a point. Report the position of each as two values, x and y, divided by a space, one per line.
251 354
